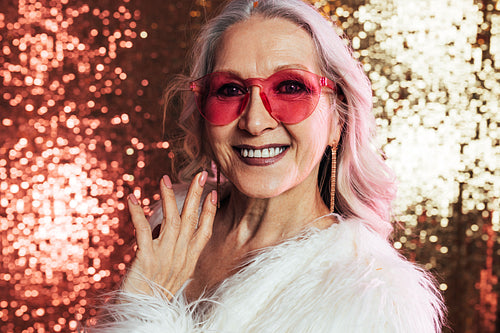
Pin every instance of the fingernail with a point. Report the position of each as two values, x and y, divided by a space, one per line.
167 182
133 199
213 197
203 178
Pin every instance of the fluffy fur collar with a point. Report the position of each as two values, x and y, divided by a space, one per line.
342 279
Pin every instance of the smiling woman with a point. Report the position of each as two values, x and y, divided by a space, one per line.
278 104
271 118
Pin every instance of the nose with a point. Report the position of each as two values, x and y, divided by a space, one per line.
256 119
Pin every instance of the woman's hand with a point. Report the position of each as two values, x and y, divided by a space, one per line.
170 259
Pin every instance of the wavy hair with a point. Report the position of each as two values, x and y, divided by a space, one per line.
365 186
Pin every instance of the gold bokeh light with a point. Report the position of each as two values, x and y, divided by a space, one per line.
81 129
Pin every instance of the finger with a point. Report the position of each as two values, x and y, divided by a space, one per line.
190 210
171 219
189 219
141 224
204 231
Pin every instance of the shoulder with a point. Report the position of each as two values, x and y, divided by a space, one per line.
371 275
342 279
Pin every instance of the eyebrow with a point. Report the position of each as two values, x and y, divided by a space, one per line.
276 69
292 66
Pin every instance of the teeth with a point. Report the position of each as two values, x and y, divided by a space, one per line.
262 153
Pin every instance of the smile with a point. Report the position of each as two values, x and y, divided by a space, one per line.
261 156
262 153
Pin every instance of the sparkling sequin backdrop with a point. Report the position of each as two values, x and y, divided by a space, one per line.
81 128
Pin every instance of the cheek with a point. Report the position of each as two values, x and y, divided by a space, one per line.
313 137
318 127
217 141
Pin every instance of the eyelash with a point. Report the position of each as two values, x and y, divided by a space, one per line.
299 87
233 89
223 91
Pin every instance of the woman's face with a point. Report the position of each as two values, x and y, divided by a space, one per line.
257 48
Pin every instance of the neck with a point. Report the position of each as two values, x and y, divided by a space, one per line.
255 223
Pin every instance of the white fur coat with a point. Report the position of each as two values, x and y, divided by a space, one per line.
342 279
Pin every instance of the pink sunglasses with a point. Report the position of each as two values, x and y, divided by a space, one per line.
290 95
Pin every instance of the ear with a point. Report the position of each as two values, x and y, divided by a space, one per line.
336 127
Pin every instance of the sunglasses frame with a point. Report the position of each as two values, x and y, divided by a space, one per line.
196 87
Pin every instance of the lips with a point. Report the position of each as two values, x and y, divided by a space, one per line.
260 156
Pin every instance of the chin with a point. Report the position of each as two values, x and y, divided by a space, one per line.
259 190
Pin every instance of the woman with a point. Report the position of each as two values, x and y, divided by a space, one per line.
274 93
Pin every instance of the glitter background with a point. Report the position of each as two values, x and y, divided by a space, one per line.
80 122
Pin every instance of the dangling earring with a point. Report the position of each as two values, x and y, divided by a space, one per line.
218 187
333 176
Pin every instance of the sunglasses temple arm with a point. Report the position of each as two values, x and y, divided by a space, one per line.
326 82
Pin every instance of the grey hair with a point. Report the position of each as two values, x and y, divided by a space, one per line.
365 186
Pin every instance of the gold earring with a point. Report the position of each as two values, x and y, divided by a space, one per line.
333 176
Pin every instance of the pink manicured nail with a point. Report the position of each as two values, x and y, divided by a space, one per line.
213 197
167 182
203 178
133 199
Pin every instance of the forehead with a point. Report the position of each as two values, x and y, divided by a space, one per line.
261 46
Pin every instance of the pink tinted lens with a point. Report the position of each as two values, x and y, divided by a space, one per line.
220 97
290 96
